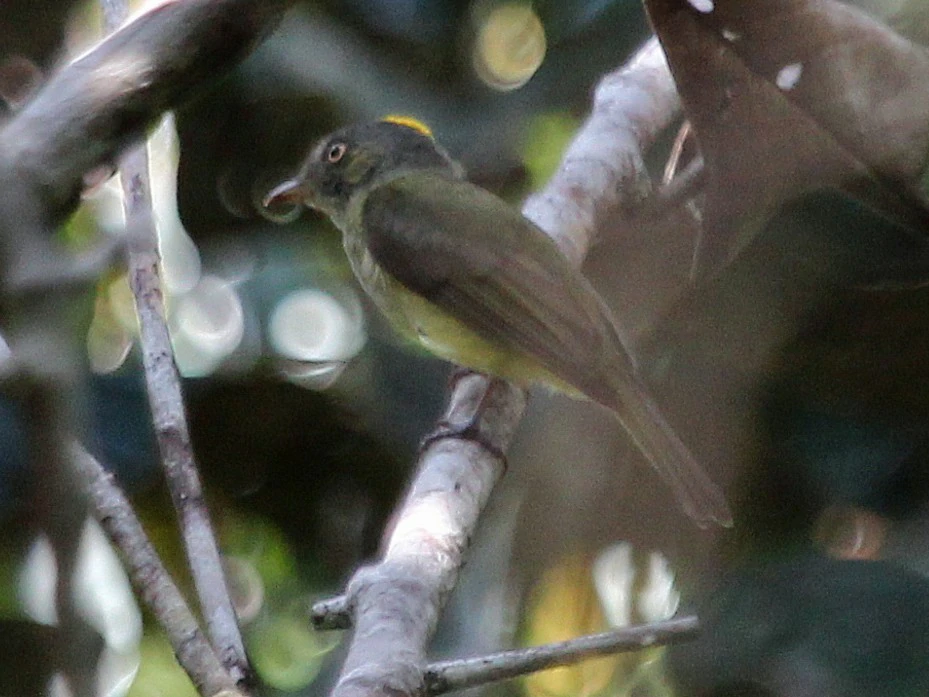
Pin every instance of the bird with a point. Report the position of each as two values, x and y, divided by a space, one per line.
463 273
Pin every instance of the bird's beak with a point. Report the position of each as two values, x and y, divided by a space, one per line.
292 191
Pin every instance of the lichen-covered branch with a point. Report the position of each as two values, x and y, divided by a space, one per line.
395 603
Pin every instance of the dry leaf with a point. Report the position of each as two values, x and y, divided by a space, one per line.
789 96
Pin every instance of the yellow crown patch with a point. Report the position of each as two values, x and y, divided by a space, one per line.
409 122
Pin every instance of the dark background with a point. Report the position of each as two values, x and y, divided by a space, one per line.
800 386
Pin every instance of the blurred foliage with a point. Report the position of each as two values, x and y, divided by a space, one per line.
562 605
811 625
621 587
544 143
159 673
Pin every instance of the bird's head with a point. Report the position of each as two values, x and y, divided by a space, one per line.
354 158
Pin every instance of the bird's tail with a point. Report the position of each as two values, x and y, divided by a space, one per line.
699 496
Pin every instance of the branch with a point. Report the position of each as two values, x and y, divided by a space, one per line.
150 577
84 117
448 676
94 107
166 401
163 384
396 602
604 168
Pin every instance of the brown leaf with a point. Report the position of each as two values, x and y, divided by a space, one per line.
788 96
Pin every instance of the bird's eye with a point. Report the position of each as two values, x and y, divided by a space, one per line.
336 152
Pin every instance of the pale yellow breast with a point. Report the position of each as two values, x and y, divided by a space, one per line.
420 321
448 338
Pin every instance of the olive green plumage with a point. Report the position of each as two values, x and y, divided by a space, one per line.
457 269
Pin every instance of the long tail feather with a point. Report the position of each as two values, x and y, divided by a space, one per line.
699 496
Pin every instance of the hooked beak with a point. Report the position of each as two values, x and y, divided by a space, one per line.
290 192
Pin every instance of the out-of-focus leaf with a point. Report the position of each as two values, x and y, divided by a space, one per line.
546 139
258 540
565 606
80 231
788 96
159 674
568 602
108 340
287 653
810 625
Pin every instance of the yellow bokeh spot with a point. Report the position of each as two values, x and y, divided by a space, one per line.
563 606
509 47
546 140
567 603
409 122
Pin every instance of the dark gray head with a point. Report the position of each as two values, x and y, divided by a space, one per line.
353 158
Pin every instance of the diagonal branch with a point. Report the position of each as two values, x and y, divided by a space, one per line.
91 109
150 577
84 117
395 603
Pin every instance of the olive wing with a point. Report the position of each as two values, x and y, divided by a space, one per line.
480 261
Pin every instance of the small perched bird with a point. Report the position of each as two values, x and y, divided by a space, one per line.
459 270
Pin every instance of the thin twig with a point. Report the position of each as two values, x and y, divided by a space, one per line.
170 420
677 152
150 578
447 676
331 613
167 405
395 603
687 185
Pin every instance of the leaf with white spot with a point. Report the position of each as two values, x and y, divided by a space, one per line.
790 96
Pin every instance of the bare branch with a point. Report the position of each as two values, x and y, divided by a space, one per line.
603 168
447 676
396 602
150 578
83 118
170 419
682 189
115 12
167 405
